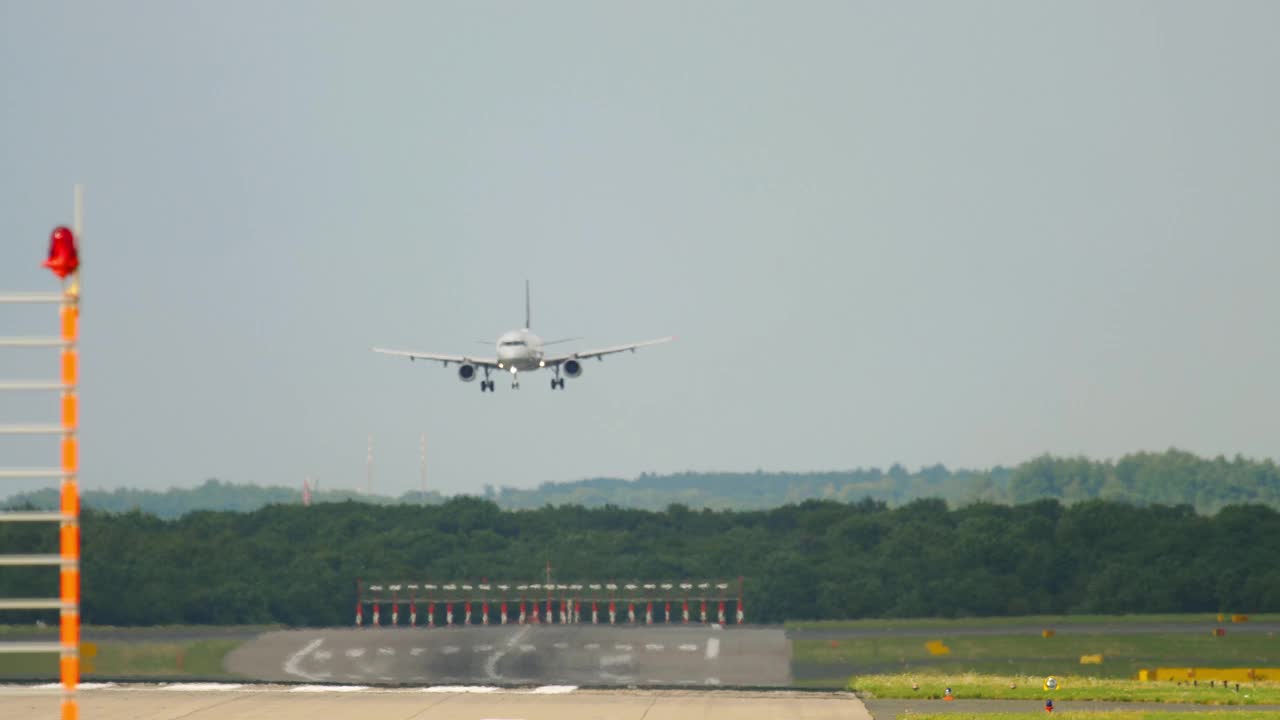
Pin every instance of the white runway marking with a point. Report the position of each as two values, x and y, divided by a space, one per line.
197 687
319 688
713 681
386 651
482 648
322 655
713 648
329 688
611 660
491 662
417 651
622 646
450 649
291 665
528 648
561 646
591 646
689 648
654 647
355 652
553 690
460 689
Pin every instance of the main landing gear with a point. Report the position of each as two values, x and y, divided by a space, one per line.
486 384
557 383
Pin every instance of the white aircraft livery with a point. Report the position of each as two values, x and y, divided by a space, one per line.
521 351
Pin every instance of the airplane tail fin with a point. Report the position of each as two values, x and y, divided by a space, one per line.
527 312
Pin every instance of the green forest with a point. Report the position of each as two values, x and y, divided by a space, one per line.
1171 478
298 565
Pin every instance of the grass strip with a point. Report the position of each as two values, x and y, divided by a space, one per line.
971 686
199 658
1039 621
1125 715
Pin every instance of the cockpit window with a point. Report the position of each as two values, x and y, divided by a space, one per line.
510 343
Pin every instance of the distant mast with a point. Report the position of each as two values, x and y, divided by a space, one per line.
306 492
423 468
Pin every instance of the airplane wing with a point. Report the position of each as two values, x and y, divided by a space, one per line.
446 359
601 352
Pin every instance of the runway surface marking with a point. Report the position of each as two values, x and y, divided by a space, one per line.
461 689
517 655
491 663
329 688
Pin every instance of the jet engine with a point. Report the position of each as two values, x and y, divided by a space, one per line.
466 372
572 368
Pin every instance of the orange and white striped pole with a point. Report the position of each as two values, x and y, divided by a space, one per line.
70 531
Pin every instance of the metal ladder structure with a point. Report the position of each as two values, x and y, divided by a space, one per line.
68 515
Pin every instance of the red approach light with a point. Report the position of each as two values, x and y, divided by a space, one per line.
64 259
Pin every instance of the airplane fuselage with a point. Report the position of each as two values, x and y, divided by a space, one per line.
520 351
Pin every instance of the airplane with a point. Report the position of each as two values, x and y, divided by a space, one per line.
521 351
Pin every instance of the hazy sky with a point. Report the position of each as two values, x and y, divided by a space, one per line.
916 232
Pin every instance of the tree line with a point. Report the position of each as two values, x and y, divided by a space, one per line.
298 565
1172 478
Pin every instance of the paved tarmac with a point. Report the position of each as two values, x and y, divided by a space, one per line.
209 701
591 655
230 702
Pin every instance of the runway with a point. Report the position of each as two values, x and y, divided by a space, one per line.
231 702
510 655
